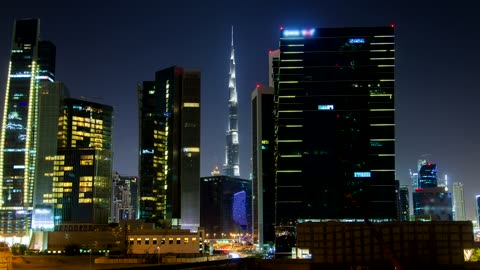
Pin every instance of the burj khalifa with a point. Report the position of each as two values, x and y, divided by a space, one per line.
231 166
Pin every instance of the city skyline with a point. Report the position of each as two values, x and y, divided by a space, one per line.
101 53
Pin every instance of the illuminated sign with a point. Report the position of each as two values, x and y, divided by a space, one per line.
356 40
325 107
291 33
298 33
361 174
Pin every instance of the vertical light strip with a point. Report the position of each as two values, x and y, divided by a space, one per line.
4 123
26 172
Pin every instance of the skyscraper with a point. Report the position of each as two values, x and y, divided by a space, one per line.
231 167
169 163
427 176
403 203
263 171
50 105
334 126
82 167
225 205
31 62
458 202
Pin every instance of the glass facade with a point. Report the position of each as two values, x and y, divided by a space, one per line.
404 203
225 205
169 163
82 167
432 204
50 101
263 181
334 126
427 176
31 62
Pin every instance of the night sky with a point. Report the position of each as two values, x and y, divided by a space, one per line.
105 47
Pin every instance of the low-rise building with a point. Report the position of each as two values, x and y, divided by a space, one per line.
386 243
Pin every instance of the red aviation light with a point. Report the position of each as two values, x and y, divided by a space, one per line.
392 25
258 85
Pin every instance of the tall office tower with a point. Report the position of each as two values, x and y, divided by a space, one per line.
232 167
50 103
31 62
434 203
225 205
169 163
403 203
427 176
263 171
334 126
458 202
82 167
414 179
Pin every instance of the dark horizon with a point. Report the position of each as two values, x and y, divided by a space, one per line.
104 50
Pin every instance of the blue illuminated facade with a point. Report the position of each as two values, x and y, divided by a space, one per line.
427 176
225 205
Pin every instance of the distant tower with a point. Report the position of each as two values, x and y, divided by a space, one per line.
427 176
458 202
231 167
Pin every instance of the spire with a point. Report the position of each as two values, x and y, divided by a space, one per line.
231 166
232 35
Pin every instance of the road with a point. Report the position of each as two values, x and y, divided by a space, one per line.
56 262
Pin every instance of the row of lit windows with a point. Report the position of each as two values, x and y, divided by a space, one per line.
171 241
55 158
88 134
86 119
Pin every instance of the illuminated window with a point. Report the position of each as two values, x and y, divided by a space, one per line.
163 241
147 241
179 240
185 240
139 241
154 241
131 241
170 241
86 162
191 104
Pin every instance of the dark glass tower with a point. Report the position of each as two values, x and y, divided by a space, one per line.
403 203
263 180
334 126
31 62
225 205
50 106
82 168
427 176
169 163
